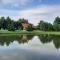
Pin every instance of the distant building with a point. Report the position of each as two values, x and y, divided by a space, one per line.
25 24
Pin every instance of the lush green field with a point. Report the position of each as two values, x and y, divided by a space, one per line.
18 32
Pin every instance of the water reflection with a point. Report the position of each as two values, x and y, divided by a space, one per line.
25 39
45 38
10 39
49 38
30 47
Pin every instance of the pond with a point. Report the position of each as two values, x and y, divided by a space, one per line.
30 47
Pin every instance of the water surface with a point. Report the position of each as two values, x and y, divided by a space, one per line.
30 47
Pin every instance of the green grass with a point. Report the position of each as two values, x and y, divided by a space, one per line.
27 32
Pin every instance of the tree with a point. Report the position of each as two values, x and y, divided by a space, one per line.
11 26
56 24
45 26
3 23
30 28
8 21
50 27
41 24
16 25
20 23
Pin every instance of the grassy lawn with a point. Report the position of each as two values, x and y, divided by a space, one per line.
27 32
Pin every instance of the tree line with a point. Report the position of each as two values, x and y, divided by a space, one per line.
9 24
45 26
12 25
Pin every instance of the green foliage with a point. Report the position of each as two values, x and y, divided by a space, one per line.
45 26
30 28
12 25
9 24
3 23
56 24
19 24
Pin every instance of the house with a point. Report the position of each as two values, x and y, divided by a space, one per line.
25 24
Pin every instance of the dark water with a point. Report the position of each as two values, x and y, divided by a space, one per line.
30 47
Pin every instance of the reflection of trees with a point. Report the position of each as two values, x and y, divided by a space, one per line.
56 41
10 39
25 38
45 38
49 38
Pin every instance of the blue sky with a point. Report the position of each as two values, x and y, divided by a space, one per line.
33 10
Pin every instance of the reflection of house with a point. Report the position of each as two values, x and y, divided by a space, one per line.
25 24
24 37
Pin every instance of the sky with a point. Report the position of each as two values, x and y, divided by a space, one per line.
32 10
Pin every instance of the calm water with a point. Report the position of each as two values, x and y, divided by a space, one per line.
29 47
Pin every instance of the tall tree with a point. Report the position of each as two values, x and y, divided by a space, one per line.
30 28
56 24
45 26
3 23
10 24
20 23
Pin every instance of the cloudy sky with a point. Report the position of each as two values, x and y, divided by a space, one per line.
33 10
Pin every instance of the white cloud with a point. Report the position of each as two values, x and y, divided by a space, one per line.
47 13
34 15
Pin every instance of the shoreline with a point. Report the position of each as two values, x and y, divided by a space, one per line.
29 32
